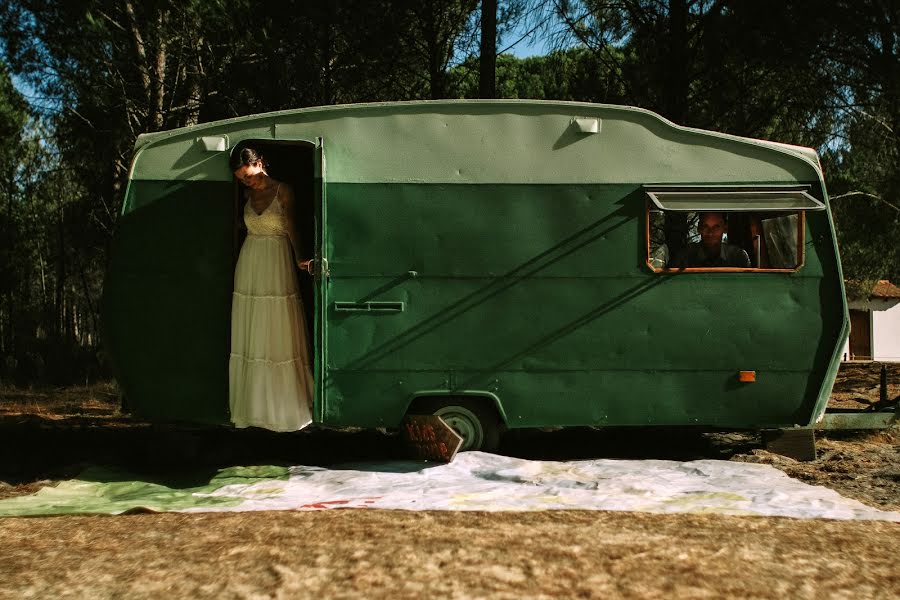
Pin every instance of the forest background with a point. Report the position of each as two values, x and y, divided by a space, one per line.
91 75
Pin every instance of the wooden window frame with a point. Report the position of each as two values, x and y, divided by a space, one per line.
801 246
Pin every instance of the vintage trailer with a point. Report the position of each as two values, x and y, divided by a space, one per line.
506 264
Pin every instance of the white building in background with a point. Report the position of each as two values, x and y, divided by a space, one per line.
875 325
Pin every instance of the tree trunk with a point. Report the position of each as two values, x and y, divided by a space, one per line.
89 299
59 321
192 75
158 83
432 32
140 50
6 338
487 63
677 84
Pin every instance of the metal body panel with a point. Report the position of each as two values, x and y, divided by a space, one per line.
504 253
167 300
320 340
479 142
540 295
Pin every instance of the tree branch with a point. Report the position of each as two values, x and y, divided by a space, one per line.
866 195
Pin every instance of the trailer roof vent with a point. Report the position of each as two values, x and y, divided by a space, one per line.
587 124
214 143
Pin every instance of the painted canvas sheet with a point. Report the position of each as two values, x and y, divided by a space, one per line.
474 481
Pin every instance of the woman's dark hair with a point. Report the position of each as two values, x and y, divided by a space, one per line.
246 156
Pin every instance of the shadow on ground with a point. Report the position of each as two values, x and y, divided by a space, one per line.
33 447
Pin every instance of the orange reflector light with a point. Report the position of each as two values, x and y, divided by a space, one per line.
746 376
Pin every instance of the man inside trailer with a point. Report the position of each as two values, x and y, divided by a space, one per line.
711 251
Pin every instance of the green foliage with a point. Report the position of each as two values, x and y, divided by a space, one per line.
865 204
13 113
572 74
825 75
862 165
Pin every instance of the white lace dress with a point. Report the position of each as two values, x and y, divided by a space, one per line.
270 382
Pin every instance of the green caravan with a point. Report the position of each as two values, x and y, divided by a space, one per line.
505 264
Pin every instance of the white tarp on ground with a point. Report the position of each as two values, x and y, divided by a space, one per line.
480 481
474 481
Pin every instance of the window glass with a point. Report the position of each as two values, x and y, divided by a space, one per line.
781 241
715 240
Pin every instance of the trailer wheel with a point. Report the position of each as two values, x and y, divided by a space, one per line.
476 423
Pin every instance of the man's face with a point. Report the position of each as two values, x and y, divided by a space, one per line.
712 227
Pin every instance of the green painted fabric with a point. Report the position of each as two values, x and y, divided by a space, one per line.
100 490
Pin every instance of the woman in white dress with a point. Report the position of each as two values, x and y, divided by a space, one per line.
270 380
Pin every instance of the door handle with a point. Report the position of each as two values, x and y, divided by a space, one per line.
369 307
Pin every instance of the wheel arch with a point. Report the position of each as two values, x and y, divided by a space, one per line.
488 398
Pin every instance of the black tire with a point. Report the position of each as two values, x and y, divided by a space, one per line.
474 420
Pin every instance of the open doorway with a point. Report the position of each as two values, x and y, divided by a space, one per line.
291 163
860 334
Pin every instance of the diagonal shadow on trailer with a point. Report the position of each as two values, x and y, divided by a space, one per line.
500 284
570 327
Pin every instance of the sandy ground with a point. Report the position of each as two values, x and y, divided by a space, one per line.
47 435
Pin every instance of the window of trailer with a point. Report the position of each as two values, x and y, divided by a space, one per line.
726 229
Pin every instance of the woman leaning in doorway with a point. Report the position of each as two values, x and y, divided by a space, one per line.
270 379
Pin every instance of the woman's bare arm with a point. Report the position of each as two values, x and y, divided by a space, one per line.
286 197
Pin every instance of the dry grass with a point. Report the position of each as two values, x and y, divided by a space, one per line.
97 401
858 384
860 465
378 554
